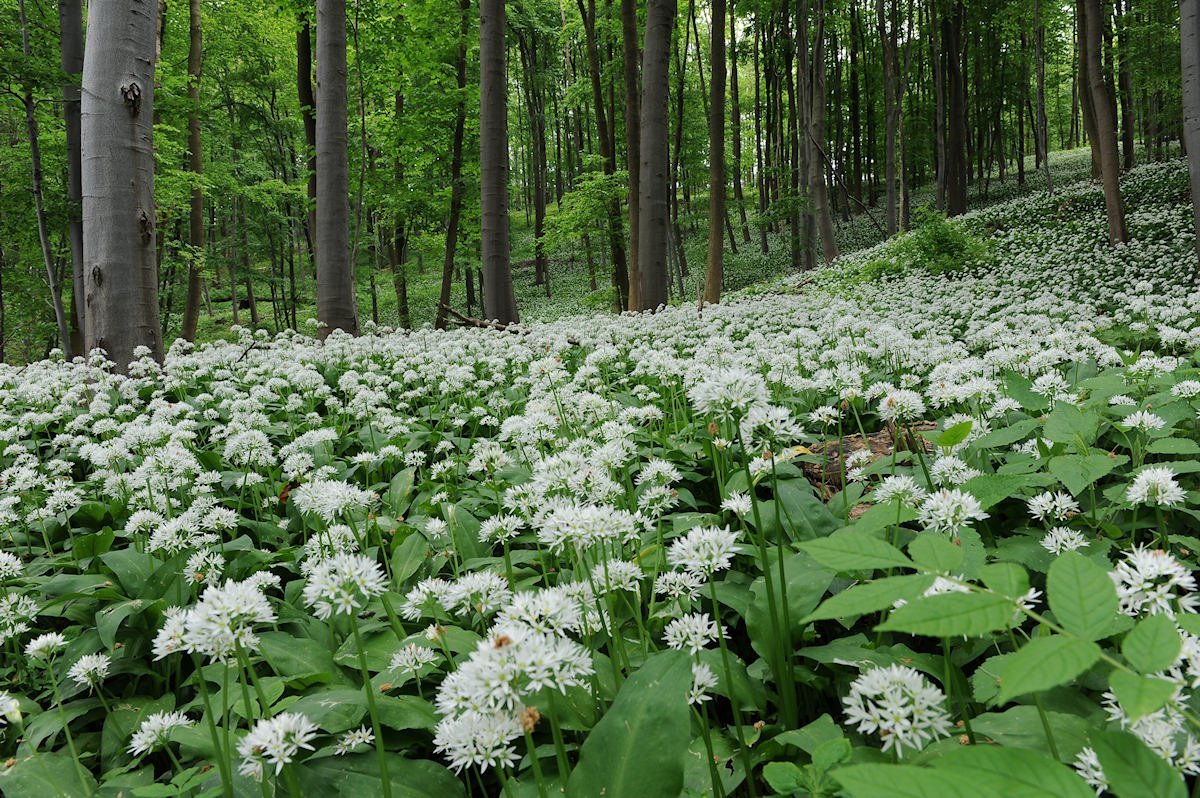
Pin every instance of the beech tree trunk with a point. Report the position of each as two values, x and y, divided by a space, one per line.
456 164
1043 124
817 186
714 276
633 110
1189 21
654 209
886 21
337 307
498 300
191 308
1106 124
956 111
117 180
308 105
70 24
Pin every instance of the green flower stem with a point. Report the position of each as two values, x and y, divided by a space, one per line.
222 761
737 712
714 775
531 747
83 774
369 689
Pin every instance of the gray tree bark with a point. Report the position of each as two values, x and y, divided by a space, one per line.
714 276
70 24
337 306
500 303
633 108
1189 21
817 186
654 178
35 163
117 180
191 308
1106 123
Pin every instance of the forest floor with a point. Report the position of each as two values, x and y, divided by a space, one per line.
921 522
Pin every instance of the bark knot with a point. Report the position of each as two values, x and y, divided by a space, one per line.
131 92
146 225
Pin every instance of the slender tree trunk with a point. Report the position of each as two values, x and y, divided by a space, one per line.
70 23
735 124
956 122
500 304
1106 127
886 20
631 58
1189 20
818 188
456 164
1043 124
191 308
117 177
35 160
1125 85
759 163
715 273
655 213
1085 86
337 306
616 238
308 105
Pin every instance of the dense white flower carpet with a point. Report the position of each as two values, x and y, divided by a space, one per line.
877 530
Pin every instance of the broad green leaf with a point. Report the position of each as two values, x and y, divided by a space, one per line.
936 553
1174 446
358 776
1153 645
951 436
297 657
1067 422
1045 662
1078 471
784 777
639 746
1140 695
910 781
850 551
870 597
991 489
1082 596
1007 436
408 557
43 775
882 516
811 737
951 615
1133 770
1006 578
1021 727
1028 774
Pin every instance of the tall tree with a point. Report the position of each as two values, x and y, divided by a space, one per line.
817 187
191 308
715 273
955 174
70 25
889 34
654 177
457 190
337 306
1042 127
1103 105
499 302
1189 46
35 164
631 57
308 104
117 179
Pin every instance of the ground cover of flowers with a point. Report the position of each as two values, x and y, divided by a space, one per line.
926 535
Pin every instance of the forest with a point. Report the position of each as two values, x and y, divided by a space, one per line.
647 399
